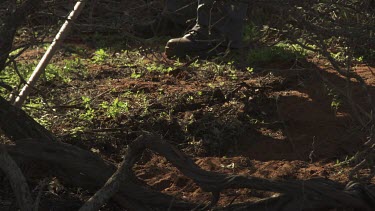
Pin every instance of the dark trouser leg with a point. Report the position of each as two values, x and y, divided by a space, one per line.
181 12
223 17
177 17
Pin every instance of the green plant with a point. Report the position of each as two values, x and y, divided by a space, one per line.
35 107
9 76
140 99
250 69
155 67
135 75
341 56
100 56
190 98
336 102
233 74
277 53
116 108
73 65
75 50
89 114
54 72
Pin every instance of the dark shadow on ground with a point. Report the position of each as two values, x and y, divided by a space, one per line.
311 128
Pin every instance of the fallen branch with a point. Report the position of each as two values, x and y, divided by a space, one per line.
59 38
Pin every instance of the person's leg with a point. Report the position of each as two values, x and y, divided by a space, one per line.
224 17
219 22
182 12
177 16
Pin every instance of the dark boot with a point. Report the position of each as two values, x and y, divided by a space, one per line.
196 42
219 25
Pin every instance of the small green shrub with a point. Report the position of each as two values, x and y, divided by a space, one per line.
116 108
89 114
278 53
100 56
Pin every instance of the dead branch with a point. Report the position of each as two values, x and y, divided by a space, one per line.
59 38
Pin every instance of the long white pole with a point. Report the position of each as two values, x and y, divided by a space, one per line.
60 36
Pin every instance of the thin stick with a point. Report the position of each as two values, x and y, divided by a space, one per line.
60 36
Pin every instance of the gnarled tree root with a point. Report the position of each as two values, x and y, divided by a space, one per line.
84 169
81 168
17 180
78 167
314 193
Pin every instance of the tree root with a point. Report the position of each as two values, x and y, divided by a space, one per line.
17 180
81 168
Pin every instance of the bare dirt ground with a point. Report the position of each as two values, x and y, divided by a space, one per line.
275 122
